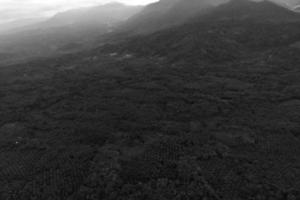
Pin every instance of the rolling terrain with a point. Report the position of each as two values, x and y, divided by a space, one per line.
209 109
67 32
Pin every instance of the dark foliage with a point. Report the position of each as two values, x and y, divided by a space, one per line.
188 113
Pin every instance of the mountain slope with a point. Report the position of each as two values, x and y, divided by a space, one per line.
288 3
209 110
252 10
104 15
111 126
66 32
229 31
168 13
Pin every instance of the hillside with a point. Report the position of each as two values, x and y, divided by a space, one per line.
252 10
208 110
227 32
66 32
114 126
167 13
105 16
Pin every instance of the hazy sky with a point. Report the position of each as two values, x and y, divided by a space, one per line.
11 10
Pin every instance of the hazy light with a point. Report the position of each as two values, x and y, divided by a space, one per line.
11 10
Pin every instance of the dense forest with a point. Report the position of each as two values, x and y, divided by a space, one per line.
209 109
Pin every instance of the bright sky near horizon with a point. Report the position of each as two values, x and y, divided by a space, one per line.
11 10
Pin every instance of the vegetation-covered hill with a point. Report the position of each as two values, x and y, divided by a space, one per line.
66 32
105 16
227 32
253 10
201 111
167 13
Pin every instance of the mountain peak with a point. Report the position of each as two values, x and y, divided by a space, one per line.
166 13
263 10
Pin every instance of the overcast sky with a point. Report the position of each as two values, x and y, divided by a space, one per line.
11 10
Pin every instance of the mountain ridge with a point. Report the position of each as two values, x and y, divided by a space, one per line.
225 33
66 32
165 13
265 10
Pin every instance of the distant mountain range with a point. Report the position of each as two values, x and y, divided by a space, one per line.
158 15
79 29
107 16
11 26
98 16
65 32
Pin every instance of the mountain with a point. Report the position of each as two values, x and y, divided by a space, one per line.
252 10
227 32
168 13
288 3
13 26
206 110
65 32
105 15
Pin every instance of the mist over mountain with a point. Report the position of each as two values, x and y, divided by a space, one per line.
65 32
105 15
83 28
8 27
